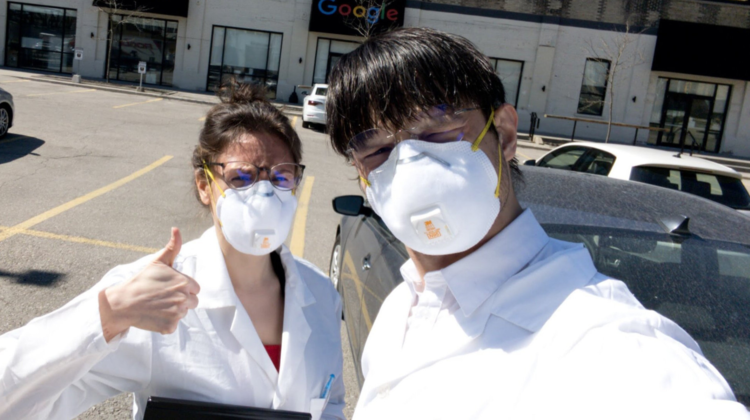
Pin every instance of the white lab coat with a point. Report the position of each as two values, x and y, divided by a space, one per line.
525 328
59 364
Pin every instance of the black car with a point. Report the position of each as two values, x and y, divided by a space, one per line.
686 257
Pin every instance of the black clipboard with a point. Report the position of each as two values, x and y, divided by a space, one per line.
158 408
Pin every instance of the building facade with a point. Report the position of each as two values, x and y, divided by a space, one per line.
676 64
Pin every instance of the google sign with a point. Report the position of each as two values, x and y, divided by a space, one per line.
373 14
340 16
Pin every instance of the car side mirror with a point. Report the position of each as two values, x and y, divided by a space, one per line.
530 162
351 205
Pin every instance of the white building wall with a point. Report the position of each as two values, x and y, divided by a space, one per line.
554 57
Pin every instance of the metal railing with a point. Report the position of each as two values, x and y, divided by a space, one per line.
616 124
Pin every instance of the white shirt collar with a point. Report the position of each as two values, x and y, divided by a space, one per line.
476 277
216 287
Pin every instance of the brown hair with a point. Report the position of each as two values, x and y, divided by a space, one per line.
244 109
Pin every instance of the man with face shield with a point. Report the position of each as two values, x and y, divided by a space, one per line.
494 319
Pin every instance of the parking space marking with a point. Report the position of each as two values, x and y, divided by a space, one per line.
202 119
294 121
82 240
62 93
138 103
80 200
519 153
297 244
351 273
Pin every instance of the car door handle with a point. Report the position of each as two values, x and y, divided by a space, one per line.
366 263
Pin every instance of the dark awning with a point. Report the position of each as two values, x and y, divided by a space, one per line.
701 49
160 7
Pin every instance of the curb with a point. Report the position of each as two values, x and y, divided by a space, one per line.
151 95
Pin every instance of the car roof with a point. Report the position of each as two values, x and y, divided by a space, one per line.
638 156
320 85
572 198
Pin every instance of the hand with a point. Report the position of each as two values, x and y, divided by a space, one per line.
155 299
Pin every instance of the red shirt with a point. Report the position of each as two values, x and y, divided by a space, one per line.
274 352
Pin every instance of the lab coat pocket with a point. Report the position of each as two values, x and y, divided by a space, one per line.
317 405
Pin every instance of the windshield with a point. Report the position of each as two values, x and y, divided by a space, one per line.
703 286
721 189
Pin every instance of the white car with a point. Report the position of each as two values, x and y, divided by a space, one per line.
663 168
314 108
7 111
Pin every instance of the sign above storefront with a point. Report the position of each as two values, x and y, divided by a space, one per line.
159 7
356 17
701 49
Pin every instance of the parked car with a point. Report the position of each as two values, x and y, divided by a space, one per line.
314 108
685 257
7 111
662 168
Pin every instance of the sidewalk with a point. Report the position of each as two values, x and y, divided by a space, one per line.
207 98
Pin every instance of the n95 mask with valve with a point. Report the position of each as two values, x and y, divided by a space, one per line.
256 220
437 198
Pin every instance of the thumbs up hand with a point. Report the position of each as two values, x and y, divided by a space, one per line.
155 299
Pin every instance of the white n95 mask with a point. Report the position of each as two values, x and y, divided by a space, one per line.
437 198
256 220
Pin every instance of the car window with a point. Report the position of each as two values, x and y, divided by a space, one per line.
565 158
702 285
721 189
321 91
598 162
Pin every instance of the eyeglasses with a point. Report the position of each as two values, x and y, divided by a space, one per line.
243 175
441 124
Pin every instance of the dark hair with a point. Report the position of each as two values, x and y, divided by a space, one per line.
243 109
393 74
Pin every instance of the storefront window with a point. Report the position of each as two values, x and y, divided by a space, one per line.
691 113
510 72
139 39
40 37
593 87
248 56
327 54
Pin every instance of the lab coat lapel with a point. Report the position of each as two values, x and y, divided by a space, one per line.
296 330
217 292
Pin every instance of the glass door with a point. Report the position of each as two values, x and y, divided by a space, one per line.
333 59
686 118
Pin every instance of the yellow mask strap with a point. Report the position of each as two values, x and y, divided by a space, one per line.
365 181
499 167
210 195
490 121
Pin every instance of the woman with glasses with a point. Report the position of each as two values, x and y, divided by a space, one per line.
229 318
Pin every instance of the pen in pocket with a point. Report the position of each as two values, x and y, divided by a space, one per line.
327 387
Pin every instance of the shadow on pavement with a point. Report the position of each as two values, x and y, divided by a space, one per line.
16 146
34 277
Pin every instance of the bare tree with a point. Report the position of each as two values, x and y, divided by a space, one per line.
621 53
123 8
367 24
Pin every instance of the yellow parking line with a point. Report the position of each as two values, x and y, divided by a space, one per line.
348 264
294 121
63 93
78 201
81 240
138 103
519 153
202 119
297 244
